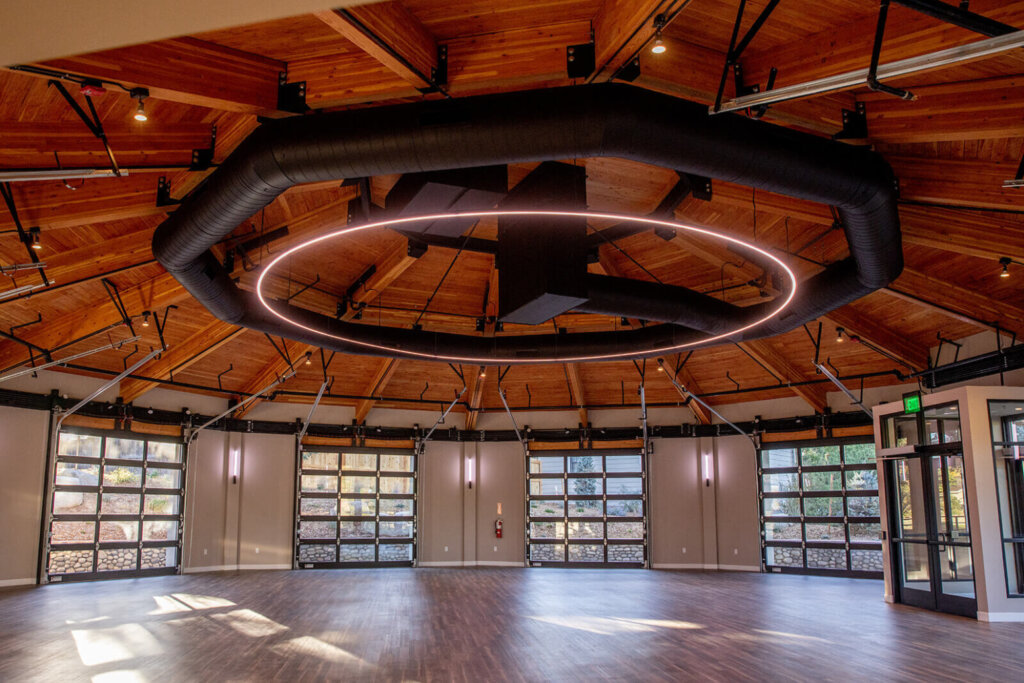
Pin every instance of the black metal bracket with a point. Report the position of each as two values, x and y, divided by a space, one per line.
202 159
231 366
161 325
630 71
92 122
959 16
291 97
735 51
350 293
439 73
580 60
115 298
25 237
163 193
855 124
39 319
956 345
876 51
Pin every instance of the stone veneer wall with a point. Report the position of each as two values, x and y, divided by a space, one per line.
827 558
107 560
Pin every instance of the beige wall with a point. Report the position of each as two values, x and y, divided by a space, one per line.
226 522
22 461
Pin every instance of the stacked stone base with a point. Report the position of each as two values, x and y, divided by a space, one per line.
827 558
109 560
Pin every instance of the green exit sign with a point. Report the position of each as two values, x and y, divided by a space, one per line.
912 402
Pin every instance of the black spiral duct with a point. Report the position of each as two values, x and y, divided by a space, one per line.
608 120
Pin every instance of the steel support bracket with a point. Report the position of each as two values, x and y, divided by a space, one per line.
630 71
580 60
855 124
163 193
202 159
439 73
291 97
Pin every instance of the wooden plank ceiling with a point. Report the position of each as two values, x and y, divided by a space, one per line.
951 149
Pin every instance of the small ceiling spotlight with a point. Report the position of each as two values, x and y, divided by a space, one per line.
140 94
483 374
661 369
1005 263
658 46
33 239
839 335
309 356
145 318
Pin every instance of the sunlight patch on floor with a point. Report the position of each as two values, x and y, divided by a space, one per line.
103 646
120 676
202 601
249 623
794 636
611 625
314 647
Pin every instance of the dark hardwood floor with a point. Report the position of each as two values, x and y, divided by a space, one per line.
490 624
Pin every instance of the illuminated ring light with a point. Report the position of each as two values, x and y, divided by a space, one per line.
681 227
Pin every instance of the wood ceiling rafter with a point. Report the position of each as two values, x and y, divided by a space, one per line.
953 300
686 379
578 395
151 295
782 369
179 357
186 70
881 336
273 370
621 29
385 371
389 33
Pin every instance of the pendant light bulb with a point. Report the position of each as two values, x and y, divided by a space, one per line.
33 239
140 94
1005 263
839 335
659 45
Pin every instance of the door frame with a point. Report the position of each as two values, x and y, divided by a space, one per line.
936 599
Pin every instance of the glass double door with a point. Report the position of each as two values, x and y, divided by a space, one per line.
931 535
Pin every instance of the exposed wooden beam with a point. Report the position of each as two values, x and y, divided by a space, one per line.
965 110
951 299
22 138
186 70
685 378
578 397
779 365
878 334
392 35
956 183
621 28
100 314
269 372
49 205
475 383
959 231
179 357
376 387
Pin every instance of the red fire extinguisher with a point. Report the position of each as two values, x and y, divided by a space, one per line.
498 526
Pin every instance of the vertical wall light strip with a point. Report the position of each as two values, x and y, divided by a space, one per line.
469 472
236 464
707 469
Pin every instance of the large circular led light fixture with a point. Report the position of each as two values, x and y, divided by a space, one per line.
653 223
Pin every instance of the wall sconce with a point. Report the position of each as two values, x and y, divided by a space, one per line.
236 464
469 472
707 469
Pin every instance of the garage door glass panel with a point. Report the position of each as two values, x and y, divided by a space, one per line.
355 508
116 505
586 508
819 508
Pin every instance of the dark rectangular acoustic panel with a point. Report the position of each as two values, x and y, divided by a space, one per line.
542 261
464 189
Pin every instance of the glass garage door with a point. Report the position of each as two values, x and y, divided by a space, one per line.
115 506
587 508
819 508
356 508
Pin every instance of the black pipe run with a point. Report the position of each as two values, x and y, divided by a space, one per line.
575 122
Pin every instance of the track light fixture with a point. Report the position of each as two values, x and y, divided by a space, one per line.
309 357
145 318
1005 263
658 46
140 94
33 239
839 335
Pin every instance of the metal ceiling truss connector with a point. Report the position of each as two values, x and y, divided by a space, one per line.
855 124
202 159
580 60
163 193
291 97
